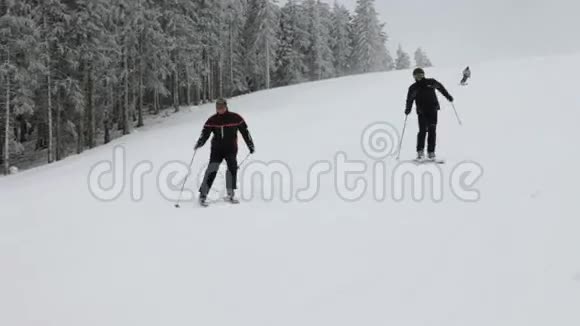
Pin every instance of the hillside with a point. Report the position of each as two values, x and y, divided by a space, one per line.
507 257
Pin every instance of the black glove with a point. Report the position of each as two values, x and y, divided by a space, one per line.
197 146
450 99
252 149
407 111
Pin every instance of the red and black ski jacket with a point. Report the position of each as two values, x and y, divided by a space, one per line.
225 129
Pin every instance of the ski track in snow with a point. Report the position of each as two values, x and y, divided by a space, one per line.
510 259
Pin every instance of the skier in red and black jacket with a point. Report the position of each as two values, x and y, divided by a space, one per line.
422 92
224 125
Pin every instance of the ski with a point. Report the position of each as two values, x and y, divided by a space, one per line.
223 200
425 161
204 204
232 201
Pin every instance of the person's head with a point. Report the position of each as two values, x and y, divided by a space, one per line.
221 106
418 74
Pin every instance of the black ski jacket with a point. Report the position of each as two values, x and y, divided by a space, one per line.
423 94
225 132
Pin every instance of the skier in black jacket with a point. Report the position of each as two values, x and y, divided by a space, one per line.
422 92
224 125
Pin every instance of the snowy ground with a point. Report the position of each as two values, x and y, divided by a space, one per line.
510 257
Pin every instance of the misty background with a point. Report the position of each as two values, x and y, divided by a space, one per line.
466 32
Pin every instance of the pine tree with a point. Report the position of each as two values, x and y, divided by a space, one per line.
341 39
294 40
50 18
421 59
91 40
369 50
261 42
18 38
212 27
319 53
403 60
388 63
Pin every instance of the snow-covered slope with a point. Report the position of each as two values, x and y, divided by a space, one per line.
510 257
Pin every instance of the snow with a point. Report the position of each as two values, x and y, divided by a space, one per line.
510 257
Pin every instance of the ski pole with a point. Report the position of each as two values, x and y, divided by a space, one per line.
402 137
244 160
185 180
457 115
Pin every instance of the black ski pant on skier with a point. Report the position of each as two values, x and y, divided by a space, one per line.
217 156
427 131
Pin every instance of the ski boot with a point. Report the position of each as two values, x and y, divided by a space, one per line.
420 156
231 197
431 156
203 201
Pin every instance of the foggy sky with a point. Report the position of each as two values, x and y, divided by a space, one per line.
469 31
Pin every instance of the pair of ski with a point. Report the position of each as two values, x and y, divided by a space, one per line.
227 200
428 160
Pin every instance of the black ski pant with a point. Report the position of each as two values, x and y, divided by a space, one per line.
427 126
217 156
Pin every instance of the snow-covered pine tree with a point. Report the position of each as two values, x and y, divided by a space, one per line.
16 56
325 13
341 43
319 54
211 24
152 60
261 42
50 19
403 60
92 38
294 40
234 21
368 39
421 59
388 62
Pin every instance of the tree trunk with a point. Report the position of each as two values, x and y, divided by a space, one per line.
49 111
267 63
231 85
221 78
196 93
109 109
140 106
81 131
126 130
112 104
58 126
106 124
209 79
176 90
188 78
202 89
156 100
7 122
91 108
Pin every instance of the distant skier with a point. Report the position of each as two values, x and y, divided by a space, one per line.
466 76
422 92
224 125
